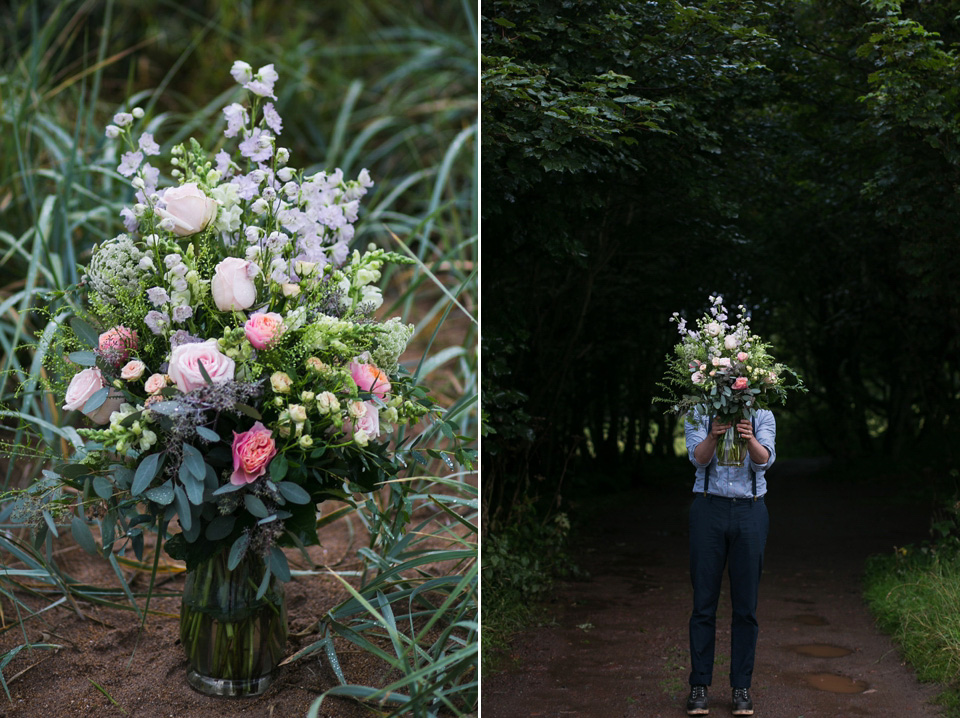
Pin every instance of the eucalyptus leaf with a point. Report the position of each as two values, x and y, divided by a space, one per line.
183 508
194 461
83 536
220 528
238 550
294 493
255 506
264 583
278 564
48 518
227 489
248 410
96 401
162 494
85 333
207 434
279 467
102 487
145 472
83 358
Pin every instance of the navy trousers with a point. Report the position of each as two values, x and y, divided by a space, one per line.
733 533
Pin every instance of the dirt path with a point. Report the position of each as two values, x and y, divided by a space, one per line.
619 646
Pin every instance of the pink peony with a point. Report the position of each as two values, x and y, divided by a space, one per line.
742 356
185 360
84 385
740 383
252 452
117 343
263 329
232 285
697 377
369 378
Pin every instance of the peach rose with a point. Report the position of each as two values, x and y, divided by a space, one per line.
252 452
84 385
232 285
189 208
185 360
133 370
263 329
740 383
369 378
155 383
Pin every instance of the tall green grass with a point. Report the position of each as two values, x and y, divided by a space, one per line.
390 87
914 593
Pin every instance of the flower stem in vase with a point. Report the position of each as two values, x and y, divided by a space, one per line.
233 640
732 448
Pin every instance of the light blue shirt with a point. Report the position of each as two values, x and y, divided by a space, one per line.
733 481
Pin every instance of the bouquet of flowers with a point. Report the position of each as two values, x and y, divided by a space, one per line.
226 348
723 370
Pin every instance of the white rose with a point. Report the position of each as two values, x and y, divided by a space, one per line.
731 343
189 209
232 285
297 412
713 329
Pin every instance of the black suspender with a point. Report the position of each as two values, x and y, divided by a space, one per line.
706 471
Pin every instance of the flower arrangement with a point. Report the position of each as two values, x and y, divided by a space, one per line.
722 369
226 348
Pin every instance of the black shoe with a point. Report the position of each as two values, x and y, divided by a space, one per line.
697 703
742 704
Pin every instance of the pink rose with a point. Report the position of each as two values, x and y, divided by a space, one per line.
697 377
364 427
263 329
252 451
84 385
740 383
721 361
185 363
369 378
116 344
232 285
742 356
133 370
189 208
155 383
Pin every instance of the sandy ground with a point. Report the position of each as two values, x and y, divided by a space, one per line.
619 643
145 675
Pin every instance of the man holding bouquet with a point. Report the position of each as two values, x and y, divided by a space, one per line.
728 526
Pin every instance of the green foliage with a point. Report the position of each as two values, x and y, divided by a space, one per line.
913 593
521 562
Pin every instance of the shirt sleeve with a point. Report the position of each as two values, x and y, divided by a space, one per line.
695 431
766 434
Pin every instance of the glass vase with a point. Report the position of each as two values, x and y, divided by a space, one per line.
233 640
732 448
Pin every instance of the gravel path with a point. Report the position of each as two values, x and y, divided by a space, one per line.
619 643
